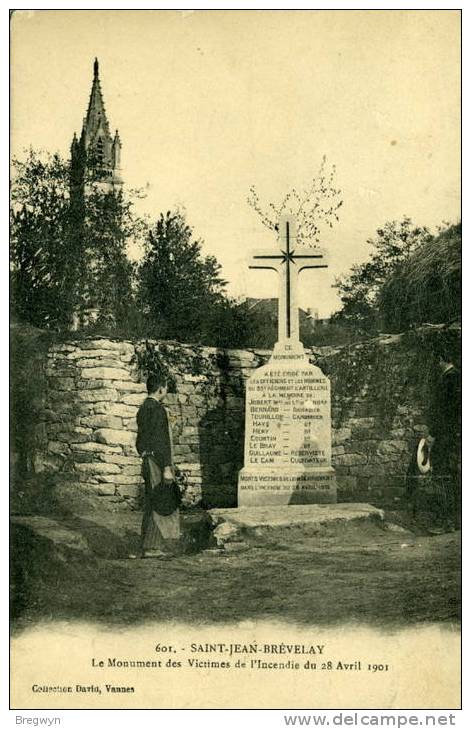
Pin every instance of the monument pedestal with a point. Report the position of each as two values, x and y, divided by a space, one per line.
287 415
287 433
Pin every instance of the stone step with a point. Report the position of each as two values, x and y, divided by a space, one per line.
114 535
255 523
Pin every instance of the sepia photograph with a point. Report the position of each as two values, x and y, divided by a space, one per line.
235 359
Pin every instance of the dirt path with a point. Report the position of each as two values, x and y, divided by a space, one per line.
373 577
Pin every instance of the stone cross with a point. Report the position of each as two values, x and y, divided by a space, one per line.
288 261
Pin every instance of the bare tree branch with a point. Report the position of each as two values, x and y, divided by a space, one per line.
314 208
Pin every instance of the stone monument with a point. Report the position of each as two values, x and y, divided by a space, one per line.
287 421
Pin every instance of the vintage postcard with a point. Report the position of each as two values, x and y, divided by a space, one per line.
235 279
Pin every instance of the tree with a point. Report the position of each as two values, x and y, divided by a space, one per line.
108 225
180 290
360 290
42 257
230 324
314 207
67 252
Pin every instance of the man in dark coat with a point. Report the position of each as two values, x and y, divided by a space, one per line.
160 532
446 430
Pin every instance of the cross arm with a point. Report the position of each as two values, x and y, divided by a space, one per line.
265 259
315 258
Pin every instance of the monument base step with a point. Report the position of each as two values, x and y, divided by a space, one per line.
246 524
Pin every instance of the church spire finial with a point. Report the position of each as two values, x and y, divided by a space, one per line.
95 68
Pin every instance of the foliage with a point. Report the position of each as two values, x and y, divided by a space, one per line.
313 207
67 251
354 377
360 290
43 255
231 325
427 286
176 283
387 372
109 224
172 360
260 319
182 293
331 333
28 347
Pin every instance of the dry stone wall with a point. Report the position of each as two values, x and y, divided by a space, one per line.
383 403
94 389
93 394
92 400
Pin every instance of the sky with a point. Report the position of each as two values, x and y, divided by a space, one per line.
209 103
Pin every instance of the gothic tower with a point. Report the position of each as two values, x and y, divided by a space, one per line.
95 160
97 153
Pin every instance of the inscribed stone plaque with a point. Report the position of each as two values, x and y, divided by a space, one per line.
287 433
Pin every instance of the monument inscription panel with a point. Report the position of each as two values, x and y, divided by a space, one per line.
287 435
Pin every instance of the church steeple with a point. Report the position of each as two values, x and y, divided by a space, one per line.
102 157
95 163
